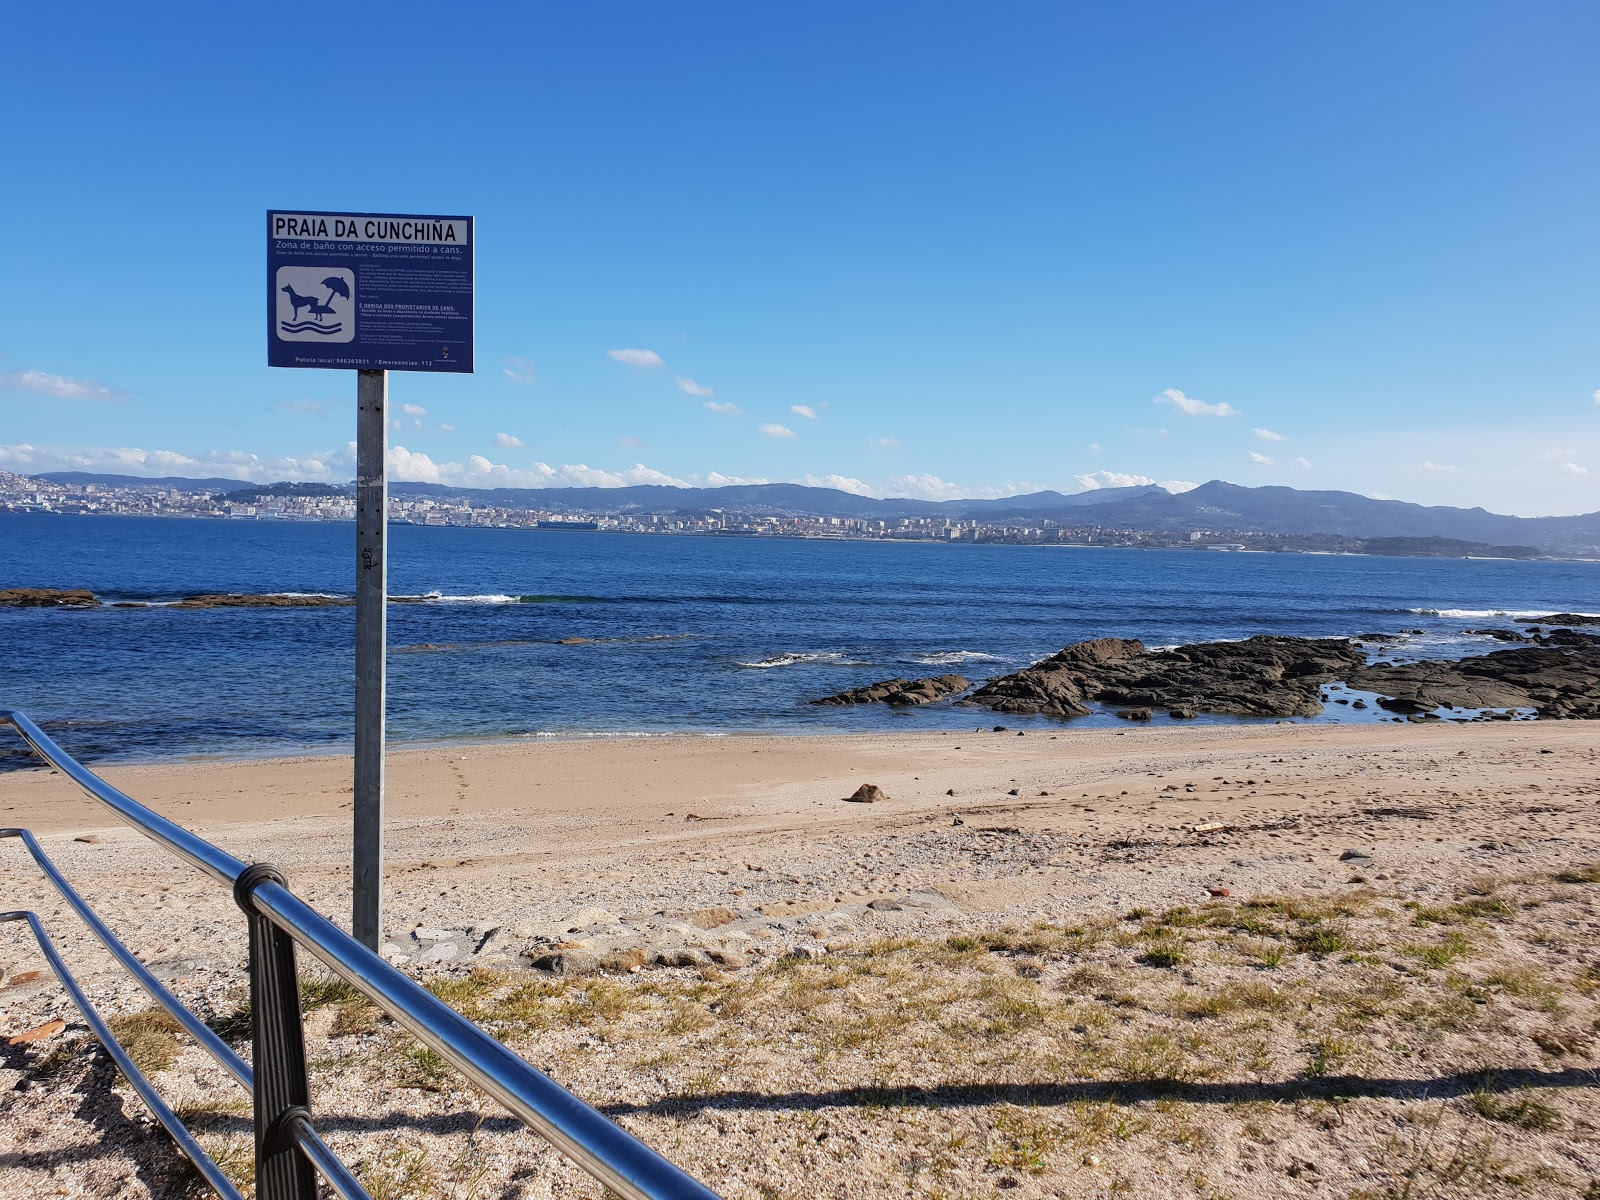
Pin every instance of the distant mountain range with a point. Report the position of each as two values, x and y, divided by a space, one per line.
1214 506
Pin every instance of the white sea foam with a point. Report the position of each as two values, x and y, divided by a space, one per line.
789 660
1471 614
955 657
490 598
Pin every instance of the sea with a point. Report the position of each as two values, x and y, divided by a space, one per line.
695 635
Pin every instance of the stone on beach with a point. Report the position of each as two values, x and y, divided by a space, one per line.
867 793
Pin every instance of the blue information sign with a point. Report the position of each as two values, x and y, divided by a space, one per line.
369 291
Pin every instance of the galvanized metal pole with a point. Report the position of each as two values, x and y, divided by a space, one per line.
372 597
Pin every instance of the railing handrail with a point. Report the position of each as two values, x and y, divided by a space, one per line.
596 1143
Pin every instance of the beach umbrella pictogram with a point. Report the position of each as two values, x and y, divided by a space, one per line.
336 287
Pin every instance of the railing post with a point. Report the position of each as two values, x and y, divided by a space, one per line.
277 1038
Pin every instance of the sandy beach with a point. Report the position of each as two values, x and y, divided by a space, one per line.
982 832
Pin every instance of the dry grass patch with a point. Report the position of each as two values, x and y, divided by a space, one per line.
1220 1049
150 1038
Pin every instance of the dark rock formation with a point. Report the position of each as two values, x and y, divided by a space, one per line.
1555 680
1569 619
902 692
1264 676
1499 635
47 598
248 600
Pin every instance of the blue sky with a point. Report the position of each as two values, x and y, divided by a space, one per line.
915 249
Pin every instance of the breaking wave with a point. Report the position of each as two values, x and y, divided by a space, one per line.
789 660
486 598
946 658
1513 614
501 599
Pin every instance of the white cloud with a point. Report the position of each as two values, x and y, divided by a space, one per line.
1096 480
416 466
1572 468
685 384
508 441
926 487
841 483
406 467
931 487
803 410
1120 479
1558 453
1261 460
447 428
777 431
581 475
1095 446
413 410
1597 396
329 466
636 358
1303 463
628 442
1195 408
885 443
478 471
1267 435
1438 468
733 410
520 370
58 387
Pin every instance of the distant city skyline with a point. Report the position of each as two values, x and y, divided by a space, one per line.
921 251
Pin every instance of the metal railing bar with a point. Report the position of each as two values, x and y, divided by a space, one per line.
196 851
225 1055
596 1143
158 1107
322 1157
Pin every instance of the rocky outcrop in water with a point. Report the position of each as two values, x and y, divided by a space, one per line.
1560 678
1568 619
1268 676
249 600
902 692
47 598
1264 676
